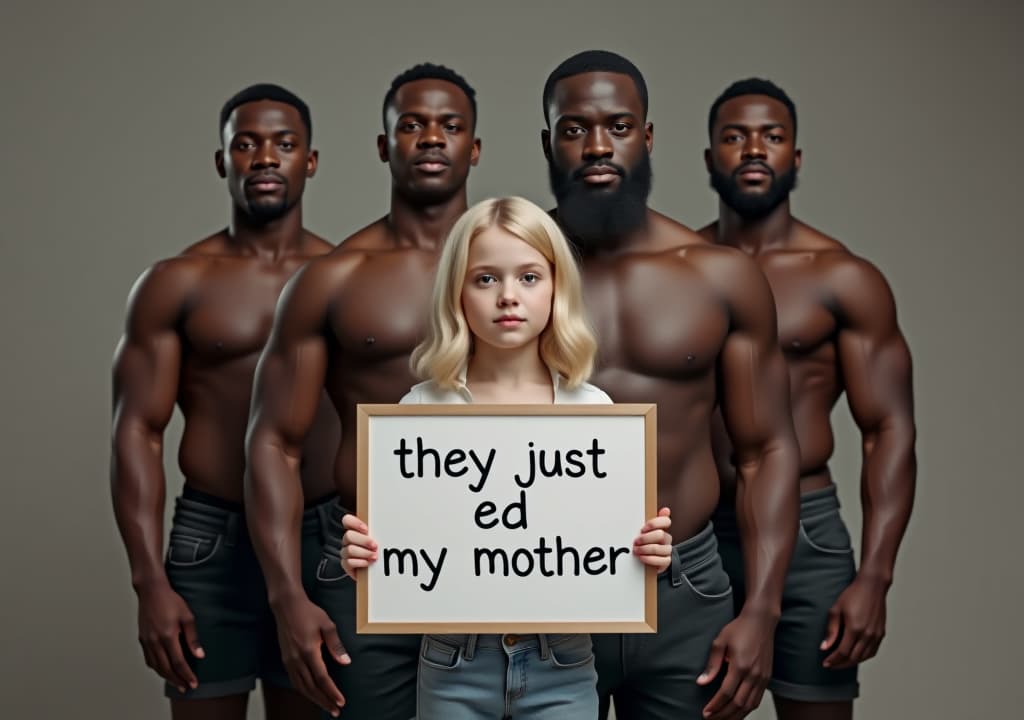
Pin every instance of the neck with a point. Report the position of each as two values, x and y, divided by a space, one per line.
275 238
754 236
507 367
424 225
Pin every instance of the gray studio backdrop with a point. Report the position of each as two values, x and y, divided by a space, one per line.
910 119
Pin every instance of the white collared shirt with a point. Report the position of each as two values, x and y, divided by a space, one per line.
429 392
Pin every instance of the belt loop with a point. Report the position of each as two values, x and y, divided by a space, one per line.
231 529
545 651
323 513
470 647
676 572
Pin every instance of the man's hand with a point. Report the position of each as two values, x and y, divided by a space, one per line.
163 618
746 645
860 614
302 629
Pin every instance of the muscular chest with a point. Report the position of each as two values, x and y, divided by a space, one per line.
231 314
805 321
382 309
653 320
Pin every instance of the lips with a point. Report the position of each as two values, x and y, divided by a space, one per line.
265 182
599 174
510 321
754 171
432 163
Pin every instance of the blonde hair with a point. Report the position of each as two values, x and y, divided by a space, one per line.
567 344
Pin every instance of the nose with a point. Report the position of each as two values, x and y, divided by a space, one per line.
507 296
432 136
753 148
266 156
598 145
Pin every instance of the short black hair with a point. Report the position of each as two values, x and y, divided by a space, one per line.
427 71
751 86
590 61
267 91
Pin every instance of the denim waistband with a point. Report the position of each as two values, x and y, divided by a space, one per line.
813 502
470 643
690 554
193 510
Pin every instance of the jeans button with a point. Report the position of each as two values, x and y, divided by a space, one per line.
511 640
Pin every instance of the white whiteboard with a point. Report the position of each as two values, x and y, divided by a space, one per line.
447 489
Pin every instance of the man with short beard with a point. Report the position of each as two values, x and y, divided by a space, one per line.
687 325
348 323
196 325
838 331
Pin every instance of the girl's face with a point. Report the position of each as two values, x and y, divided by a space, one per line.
506 296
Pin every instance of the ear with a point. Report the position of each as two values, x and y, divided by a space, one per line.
218 160
707 159
382 147
312 162
474 155
649 137
545 143
798 159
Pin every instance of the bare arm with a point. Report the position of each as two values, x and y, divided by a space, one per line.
876 369
754 393
287 390
145 384
755 405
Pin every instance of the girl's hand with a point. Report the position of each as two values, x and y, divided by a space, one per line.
358 549
653 546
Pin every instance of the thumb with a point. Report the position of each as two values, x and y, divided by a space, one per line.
334 645
664 512
832 631
188 627
714 663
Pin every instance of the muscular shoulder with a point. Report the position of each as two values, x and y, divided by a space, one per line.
670 233
162 291
372 238
316 245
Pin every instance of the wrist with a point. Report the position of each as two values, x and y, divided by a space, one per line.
761 612
281 599
145 583
879 579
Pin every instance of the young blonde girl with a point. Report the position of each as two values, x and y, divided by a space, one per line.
508 326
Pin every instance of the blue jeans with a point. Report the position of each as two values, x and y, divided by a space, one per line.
490 677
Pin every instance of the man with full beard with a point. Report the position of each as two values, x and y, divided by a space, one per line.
688 325
195 328
838 331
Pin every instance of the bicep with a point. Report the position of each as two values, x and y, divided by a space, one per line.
753 381
147 361
873 356
291 371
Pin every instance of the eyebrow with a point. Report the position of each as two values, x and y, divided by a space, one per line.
278 133
582 118
738 126
520 268
420 113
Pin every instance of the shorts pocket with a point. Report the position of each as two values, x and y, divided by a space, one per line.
572 652
826 533
435 653
329 570
186 548
708 579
